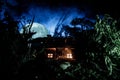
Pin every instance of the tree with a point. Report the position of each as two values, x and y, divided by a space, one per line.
14 46
98 51
108 35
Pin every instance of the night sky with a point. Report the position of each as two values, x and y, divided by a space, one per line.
93 6
48 12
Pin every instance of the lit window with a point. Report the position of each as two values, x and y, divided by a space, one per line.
69 56
50 55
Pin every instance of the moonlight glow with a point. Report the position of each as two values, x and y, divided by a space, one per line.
40 30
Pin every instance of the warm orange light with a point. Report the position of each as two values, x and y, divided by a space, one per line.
50 55
54 49
69 56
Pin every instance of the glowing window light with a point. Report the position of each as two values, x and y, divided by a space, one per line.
50 55
69 56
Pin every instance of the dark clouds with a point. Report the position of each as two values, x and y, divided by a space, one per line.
48 12
92 6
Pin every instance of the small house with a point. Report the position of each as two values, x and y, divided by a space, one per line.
60 53
56 47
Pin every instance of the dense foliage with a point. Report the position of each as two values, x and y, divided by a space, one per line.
97 53
100 55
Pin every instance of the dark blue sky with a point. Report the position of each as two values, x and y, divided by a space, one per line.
48 12
92 6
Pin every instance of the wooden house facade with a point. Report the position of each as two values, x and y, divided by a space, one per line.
56 47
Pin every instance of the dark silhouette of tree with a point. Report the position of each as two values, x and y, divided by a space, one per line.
97 50
74 31
84 23
13 45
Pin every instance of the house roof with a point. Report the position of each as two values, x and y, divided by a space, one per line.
54 42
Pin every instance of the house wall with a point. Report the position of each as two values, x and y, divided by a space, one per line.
60 53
